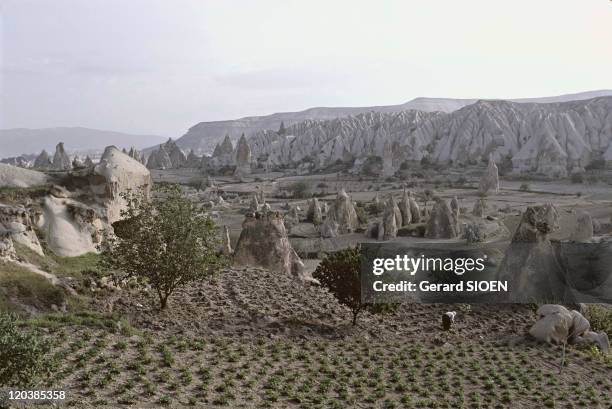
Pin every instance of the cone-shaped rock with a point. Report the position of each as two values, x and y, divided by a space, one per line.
405 209
61 161
415 212
243 157
441 223
343 212
264 243
42 161
489 183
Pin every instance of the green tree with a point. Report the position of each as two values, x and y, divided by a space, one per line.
167 242
22 354
339 272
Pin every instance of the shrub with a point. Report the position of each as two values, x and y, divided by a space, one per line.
22 354
299 190
473 234
362 217
525 187
577 178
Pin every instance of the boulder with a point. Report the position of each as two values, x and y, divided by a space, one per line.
264 243
13 176
489 183
441 223
448 318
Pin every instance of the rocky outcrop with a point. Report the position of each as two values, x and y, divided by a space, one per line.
264 243
17 224
13 176
88 163
116 173
529 265
343 212
243 157
442 223
43 161
61 160
489 183
404 207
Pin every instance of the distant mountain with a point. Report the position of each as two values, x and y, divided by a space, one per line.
18 141
554 139
203 137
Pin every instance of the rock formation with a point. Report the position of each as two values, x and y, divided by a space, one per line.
314 214
329 228
387 157
343 212
454 205
264 243
583 229
404 207
529 265
61 161
17 224
88 163
224 148
489 183
556 324
159 159
415 212
243 157
43 161
193 160
479 207
441 223
13 176
389 222
168 156
254 205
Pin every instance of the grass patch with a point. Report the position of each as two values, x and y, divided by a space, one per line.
60 266
21 286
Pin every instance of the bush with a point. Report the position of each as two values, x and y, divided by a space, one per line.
299 190
577 178
473 234
525 187
362 217
22 354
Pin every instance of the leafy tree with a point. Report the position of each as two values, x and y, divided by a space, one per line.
166 241
339 272
22 354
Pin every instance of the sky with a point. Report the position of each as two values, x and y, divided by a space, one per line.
161 66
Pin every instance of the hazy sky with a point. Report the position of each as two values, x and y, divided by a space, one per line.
160 66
